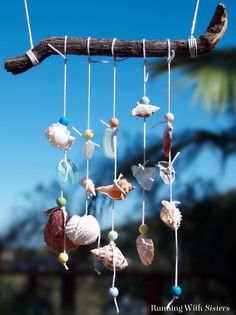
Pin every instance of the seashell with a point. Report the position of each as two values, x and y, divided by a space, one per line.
89 186
88 150
82 230
67 172
167 172
142 110
105 255
167 139
144 175
54 231
145 248
118 191
170 215
108 143
59 136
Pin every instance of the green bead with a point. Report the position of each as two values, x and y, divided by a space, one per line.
143 229
61 201
112 235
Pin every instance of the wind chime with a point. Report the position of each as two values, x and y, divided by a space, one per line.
64 233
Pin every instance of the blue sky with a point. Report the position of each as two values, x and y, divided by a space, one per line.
30 102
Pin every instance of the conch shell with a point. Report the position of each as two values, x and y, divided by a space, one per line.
105 255
82 230
143 108
59 136
145 248
88 185
54 231
167 139
170 215
118 191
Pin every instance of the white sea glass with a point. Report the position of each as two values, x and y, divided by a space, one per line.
88 150
108 143
144 175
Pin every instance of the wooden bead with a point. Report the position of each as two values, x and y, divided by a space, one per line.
143 229
114 122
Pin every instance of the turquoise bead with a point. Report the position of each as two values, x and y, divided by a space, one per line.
144 100
113 292
64 121
112 235
176 290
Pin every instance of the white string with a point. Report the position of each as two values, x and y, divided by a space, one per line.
89 80
145 70
195 18
114 77
64 240
28 24
176 256
114 274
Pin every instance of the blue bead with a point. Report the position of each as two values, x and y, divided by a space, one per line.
113 292
144 100
176 290
64 121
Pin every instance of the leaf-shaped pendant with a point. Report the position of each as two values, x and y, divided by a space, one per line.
144 175
88 149
108 143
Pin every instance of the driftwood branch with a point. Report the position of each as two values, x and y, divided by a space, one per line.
123 48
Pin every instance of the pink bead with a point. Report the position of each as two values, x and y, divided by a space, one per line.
169 117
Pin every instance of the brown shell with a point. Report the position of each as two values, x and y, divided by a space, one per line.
54 232
117 191
167 139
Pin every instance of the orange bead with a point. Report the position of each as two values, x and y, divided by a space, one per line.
114 122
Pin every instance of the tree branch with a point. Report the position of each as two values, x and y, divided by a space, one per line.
123 48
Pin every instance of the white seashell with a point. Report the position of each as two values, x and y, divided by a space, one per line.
170 215
145 248
59 136
89 186
82 230
144 110
88 150
105 255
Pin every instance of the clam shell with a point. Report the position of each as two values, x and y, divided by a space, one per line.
145 248
59 136
105 255
144 110
170 215
54 232
118 191
167 139
88 185
82 230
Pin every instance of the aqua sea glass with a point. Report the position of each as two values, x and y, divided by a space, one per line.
144 175
67 172
108 143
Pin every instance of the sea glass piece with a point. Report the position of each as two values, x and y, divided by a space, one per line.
88 150
67 172
167 139
108 143
167 172
144 175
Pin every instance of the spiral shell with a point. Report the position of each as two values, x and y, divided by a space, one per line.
118 191
105 255
82 230
144 110
88 185
145 248
170 215
59 136
54 231
167 139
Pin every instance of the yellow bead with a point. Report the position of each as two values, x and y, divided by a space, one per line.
88 134
143 229
63 258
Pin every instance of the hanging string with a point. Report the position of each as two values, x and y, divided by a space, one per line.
195 19
64 239
28 24
192 42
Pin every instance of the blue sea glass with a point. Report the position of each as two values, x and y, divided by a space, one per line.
108 143
144 175
67 172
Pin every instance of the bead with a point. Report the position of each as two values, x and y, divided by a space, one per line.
143 229
63 258
144 100
112 235
169 117
114 122
113 292
61 201
64 121
176 290
88 134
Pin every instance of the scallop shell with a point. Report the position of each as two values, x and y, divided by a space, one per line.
59 136
118 191
167 139
145 248
54 231
105 255
170 215
88 185
144 110
82 230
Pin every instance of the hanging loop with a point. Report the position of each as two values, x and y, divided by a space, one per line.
145 62
112 49
192 41
88 49
171 52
